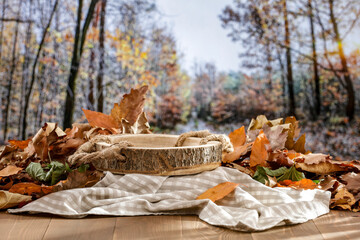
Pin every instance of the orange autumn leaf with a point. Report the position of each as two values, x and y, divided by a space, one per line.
259 153
28 188
98 119
219 191
20 144
237 153
302 184
238 137
10 170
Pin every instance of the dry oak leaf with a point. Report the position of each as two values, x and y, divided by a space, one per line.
47 135
343 199
9 170
321 164
218 192
20 144
8 199
352 184
130 107
98 119
259 152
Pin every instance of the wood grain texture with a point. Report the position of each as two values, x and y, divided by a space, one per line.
194 228
24 227
336 225
339 225
302 231
156 154
148 227
86 228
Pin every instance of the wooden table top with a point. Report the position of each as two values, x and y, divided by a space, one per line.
335 225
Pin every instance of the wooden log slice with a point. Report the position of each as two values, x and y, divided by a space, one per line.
156 154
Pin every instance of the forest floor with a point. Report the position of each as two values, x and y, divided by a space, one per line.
341 141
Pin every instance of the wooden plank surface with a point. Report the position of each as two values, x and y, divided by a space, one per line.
86 228
336 225
302 231
339 225
148 227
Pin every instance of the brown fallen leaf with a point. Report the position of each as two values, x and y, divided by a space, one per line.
293 132
98 119
78 179
277 135
130 107
238 137
329 184
19 144
343 199
218 192
280 158
10 170
6 183
81 129
8 199
259 153
352 184
299 146
237 153
258 123
27 188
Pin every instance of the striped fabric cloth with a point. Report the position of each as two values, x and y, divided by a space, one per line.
251 207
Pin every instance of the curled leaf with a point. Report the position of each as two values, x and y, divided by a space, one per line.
9 199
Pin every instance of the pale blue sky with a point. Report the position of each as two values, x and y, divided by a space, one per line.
197 29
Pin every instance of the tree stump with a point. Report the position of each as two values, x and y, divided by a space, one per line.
156 154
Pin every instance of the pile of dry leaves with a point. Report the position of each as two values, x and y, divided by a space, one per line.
38 166
268 152
273 153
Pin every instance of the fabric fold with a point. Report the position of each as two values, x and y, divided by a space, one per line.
251 207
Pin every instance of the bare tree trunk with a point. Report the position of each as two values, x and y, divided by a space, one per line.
350 107
75 61
25 71
100 89
90 97
33 73
315 62
2 27
288 62
11 75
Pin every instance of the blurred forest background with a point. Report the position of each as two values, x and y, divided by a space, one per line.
59 56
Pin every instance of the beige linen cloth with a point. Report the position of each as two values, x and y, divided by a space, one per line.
251 207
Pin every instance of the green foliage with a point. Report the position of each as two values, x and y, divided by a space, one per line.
262 173
55 172
281 174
